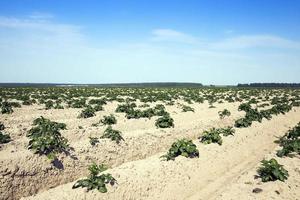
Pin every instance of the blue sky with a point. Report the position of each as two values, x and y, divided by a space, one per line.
211 42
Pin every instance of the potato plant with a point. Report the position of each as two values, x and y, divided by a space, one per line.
108 120
290 142
271 170
6 108
93 141
214 135
224 113
112 134
226 131
125 108
46 139
96 179
77 103
164 122
2 127
186 108
211 136
87 112
4 138
183 147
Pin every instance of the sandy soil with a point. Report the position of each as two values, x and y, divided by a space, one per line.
221 172
24 173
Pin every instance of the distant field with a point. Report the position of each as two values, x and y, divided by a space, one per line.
157 142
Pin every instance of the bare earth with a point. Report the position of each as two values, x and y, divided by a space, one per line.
221 172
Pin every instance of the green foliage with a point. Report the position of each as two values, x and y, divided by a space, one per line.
108 120
6 108
46 139
93 141
226 131
125 108
254 115
290 142
243 122
164 122
183 147
280 109
186 108
15 104
49 104
96 180
2 127
244 107
27 102
144 105
131 113
4 138
160 110
98 107
87 112
266 114
211 136
77 103
112 134
211 106
224 113
97 101
214 135
271 170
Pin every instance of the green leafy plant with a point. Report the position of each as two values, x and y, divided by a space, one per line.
211 136
108 120
77 103
254 115
2 127
6 108
224 113
125 107
93 141
96 180
164 122
97 101
98 107
160 110
243 122
49 104
15 104
112 134
271 170
280 109
290 142
183 147
244 107
186 108
214 135
226 131
266 114
46 139
87 112
4 138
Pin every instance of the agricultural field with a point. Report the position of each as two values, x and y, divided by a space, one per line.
149 143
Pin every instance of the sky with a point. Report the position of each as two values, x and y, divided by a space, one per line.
124 41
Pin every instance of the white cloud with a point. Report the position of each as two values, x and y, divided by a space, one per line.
173 36
41 16
250 41
39 33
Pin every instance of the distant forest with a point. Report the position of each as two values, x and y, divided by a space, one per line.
153 85
271 85
134 85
